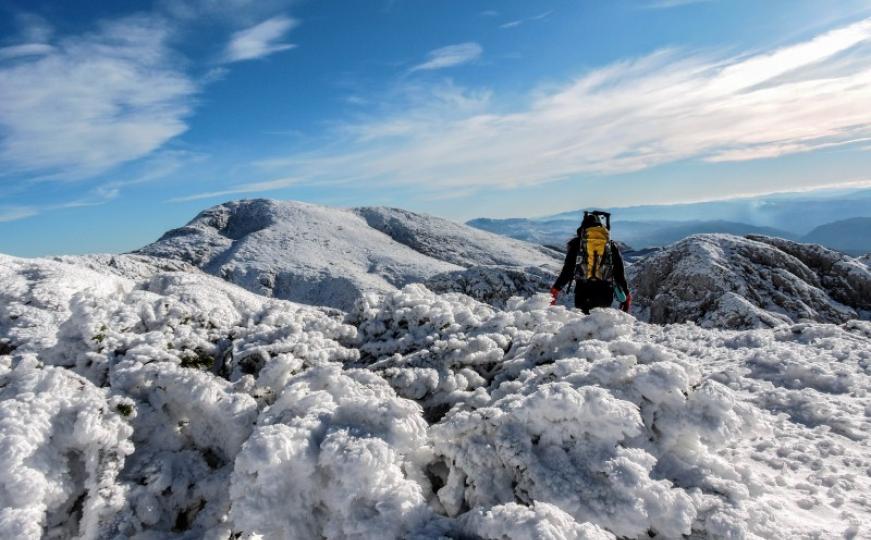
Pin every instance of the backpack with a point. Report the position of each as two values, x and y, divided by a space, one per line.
594 252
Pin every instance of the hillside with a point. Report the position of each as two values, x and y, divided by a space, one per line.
723 281
181 406
331 257
851 236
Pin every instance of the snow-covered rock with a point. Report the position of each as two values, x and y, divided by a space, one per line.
723 281
177 405
330 257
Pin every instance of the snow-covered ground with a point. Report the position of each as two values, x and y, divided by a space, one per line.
144 402
329 256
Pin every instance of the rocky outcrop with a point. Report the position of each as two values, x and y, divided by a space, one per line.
726 281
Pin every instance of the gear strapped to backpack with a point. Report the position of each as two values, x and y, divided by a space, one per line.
594 252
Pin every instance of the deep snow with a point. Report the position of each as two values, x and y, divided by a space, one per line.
175 404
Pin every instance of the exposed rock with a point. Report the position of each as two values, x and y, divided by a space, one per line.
725 281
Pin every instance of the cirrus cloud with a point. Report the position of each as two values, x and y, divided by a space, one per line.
91 102
450 56
623 117
260 40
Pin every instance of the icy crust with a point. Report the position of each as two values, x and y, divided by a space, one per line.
181 406
724 281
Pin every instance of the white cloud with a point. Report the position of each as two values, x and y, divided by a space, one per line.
252 187
91 102
667 4
14 213
25 49
260 40
452 55
518 22
623 117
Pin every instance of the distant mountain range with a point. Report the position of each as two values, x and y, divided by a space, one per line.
851 236
839 219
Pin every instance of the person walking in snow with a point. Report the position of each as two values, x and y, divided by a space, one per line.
594 263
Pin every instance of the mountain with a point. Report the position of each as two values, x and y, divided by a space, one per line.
852 236
174 404
723 281
798 213
640 235
328 256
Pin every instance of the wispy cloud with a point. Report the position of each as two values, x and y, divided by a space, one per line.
518 22
88 103
667 4
624 117
260 40
252 187
452 55
14 213
25 49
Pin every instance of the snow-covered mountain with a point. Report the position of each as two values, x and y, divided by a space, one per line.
328 256
723 281
173 404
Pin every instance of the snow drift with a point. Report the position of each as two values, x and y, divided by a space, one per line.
331 257
177 405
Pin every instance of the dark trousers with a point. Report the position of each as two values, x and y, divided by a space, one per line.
593 294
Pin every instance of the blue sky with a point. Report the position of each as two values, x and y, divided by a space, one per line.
121 119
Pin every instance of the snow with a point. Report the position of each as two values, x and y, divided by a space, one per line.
146 401
331 257
724 281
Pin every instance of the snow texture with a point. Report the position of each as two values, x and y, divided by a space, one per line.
723 281
150 403
331 257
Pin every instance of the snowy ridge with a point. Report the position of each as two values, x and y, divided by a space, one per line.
178 405
724 281
331 257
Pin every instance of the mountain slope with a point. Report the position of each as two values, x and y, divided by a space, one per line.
177 405
724 281
852 236
327 256
452 242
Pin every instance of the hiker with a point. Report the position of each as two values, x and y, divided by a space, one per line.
594 263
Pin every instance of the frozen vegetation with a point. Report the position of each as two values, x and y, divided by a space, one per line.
140 400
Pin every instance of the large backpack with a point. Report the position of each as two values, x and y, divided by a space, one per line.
594 253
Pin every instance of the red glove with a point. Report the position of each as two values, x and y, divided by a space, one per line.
554 292
627 305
